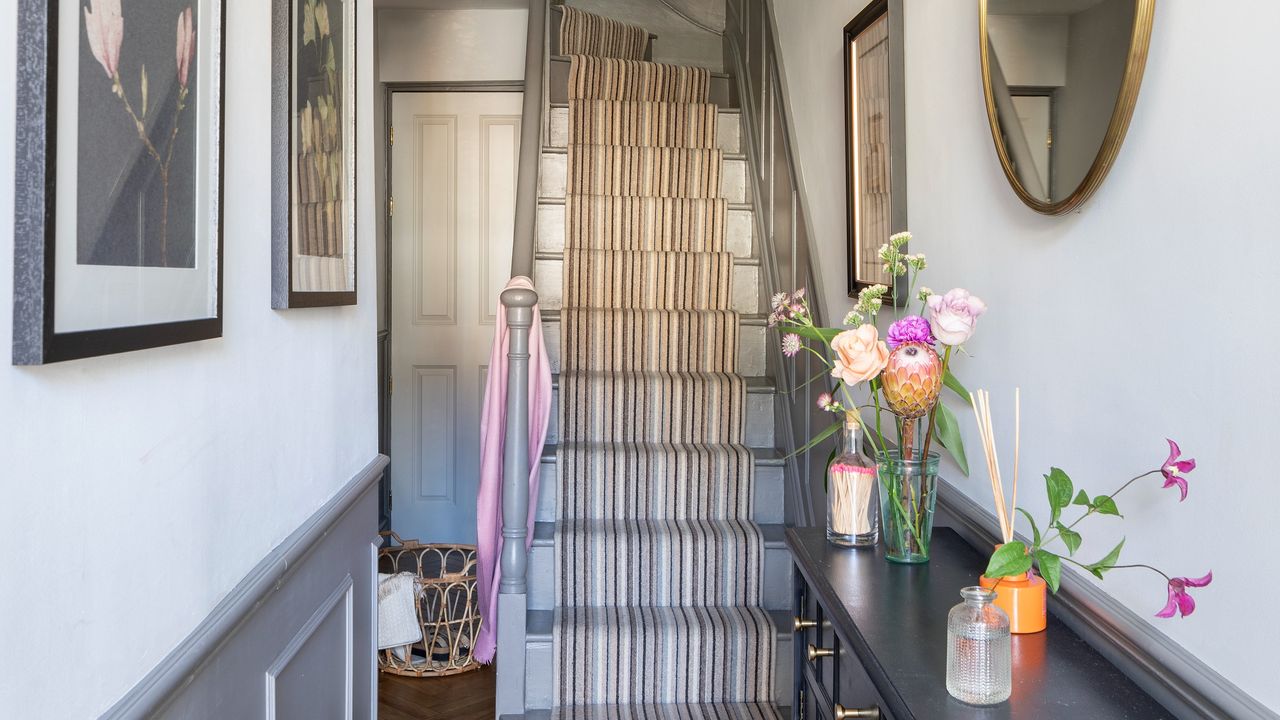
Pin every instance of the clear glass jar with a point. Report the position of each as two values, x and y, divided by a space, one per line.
978 650
852 507
907 502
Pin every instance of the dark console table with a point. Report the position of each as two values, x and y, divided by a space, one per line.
879 634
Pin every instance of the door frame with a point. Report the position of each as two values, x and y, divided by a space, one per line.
387 337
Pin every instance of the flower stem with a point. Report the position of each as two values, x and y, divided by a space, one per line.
1091 511
933 411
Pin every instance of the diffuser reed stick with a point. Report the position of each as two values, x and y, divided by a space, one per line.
982 414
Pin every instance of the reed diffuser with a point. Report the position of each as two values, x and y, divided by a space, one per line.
1022 597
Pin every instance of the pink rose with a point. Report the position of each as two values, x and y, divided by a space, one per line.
953 316
860 354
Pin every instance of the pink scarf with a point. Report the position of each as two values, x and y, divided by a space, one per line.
492 428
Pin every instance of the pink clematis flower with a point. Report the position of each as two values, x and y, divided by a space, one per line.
1179 601
186 45
1174 468
104 28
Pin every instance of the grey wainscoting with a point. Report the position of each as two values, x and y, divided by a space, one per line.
295 639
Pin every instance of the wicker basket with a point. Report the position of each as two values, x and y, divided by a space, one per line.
447 608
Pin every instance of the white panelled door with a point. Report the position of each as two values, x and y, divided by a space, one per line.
453 182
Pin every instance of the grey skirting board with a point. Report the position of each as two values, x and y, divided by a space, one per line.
217 688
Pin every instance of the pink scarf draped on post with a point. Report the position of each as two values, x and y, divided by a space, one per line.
493 424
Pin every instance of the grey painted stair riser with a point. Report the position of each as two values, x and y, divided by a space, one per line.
758 430
558 84
540 665
542 568
548 277
739 229
751 346
554 168
766 506
728 130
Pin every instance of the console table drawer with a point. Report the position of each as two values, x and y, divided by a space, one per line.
835 678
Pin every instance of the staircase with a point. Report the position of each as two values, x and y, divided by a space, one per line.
659 582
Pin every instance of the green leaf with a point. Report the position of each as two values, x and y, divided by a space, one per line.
948 433
831 457
1106 563
1104 505
1008 560
831 430
1082 499
1070 538
952 382
1035 531
1059 488
1050 568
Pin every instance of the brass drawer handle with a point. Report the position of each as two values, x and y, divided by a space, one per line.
817 652
843 713
802 624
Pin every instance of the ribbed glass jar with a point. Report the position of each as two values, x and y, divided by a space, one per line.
978 650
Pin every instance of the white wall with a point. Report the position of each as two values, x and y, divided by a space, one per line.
140 488
451 45
1143 315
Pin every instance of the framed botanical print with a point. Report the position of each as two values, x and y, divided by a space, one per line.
313 163
875 137
118 208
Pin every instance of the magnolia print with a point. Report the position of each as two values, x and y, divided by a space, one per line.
137 142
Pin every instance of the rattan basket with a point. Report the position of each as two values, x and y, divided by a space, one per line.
447 608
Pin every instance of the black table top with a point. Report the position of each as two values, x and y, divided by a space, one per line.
894 617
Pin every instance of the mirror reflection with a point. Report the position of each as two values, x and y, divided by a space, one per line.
1055 75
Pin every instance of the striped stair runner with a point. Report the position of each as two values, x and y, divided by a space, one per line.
658 564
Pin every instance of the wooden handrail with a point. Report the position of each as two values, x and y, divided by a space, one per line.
531 128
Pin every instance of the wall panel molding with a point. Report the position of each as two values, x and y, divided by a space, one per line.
218 670
339 601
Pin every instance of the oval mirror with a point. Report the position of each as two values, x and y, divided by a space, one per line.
1061 78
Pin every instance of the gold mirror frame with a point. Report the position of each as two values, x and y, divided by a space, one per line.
1135 64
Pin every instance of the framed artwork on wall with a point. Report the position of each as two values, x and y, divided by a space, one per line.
875 140
118 176
313 216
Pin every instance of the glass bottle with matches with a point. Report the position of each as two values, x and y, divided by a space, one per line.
852 519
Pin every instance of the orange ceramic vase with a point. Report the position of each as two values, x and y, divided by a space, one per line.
1022 599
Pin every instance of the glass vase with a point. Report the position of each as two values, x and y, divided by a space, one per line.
852 508
907 499
979 669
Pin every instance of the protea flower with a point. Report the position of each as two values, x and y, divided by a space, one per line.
912 380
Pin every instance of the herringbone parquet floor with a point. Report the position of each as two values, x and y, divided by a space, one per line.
460 697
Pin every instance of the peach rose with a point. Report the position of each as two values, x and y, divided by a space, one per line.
860 354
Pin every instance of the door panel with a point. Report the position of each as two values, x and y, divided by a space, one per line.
453 182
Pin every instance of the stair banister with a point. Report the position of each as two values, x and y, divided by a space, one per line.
518 304
531 129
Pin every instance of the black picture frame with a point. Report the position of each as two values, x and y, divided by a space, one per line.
35 339
892 11
283 174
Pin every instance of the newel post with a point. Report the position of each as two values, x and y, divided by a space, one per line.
512 590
